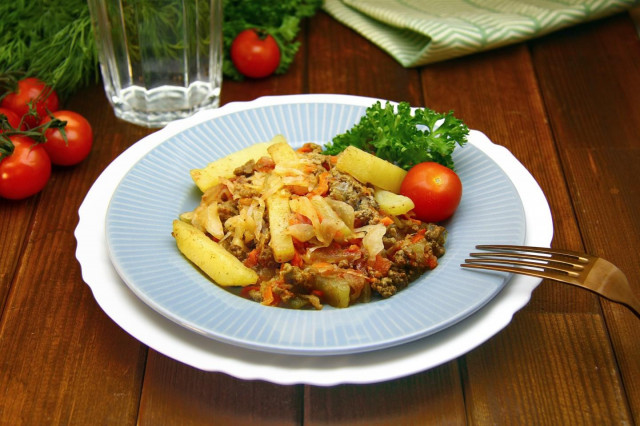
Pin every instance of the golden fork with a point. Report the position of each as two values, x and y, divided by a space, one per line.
580 269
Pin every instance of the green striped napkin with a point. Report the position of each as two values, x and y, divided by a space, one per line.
418 32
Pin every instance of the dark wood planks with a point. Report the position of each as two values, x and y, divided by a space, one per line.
14 225
568 357
433 397
175 393
546 368
595 116
498 93
341 61
62 359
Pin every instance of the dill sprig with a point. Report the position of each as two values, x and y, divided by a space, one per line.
53 39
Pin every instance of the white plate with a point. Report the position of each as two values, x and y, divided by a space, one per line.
158 188
201 352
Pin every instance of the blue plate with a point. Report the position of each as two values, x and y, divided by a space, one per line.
158 188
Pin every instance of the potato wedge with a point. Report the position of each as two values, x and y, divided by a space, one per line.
391 203
368 168
223 267
282 153
279 212
211 174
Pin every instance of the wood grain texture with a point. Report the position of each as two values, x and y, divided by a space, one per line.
634 13
421 399
566 105
595 115
59 353
546 369
175 393
518 122
14 226
341 61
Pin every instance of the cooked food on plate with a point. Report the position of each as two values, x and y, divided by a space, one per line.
297 228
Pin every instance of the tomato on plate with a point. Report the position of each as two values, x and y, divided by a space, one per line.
79 139
255 54
12 118
31 94
435 190
25 171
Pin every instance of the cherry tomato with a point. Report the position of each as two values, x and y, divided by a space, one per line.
435 190
79 139
26 171
31 91
255 54
12 118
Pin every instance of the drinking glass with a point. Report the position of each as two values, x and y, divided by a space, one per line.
160 60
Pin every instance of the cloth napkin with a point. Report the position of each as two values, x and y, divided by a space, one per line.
419 32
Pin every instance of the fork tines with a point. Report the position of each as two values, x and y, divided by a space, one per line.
519 259
580 269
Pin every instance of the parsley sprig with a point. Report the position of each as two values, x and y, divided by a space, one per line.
404 136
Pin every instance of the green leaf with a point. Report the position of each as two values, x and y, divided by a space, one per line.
404 136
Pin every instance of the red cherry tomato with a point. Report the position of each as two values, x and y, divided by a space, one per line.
12 118
435 190
79 139
31 91
255 55
26 171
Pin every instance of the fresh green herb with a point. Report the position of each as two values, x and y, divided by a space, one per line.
49 39
403 138
53 39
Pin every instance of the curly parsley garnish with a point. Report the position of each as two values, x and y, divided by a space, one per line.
403 138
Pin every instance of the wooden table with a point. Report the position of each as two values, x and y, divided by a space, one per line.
566 105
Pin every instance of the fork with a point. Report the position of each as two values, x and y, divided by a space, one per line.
580 269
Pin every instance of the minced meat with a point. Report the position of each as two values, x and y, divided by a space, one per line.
387 286
336 256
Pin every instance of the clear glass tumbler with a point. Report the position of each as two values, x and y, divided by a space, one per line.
160 60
